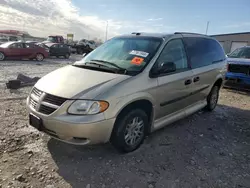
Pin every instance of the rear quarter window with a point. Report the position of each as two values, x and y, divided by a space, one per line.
203 51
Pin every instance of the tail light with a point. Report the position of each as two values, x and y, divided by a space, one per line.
227 67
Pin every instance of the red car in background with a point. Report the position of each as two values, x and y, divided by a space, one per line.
22 50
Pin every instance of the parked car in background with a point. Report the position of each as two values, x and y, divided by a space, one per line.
54 39
3 40
129 87
239 67
31 42
88 44
59 50
21 50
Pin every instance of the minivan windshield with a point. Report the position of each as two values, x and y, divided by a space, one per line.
240 53
127 53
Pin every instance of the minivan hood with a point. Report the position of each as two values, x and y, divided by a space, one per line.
238 61
73 82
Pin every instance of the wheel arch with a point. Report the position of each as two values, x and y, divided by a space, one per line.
218 82
144 104
3 54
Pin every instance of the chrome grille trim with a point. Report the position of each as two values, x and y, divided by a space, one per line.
33 103
34 97
50 105
37 92
43 102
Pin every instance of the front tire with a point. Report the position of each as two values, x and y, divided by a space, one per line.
67 55
39 57
2 56
212 98
130 130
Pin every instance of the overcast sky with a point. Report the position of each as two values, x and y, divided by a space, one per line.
88 18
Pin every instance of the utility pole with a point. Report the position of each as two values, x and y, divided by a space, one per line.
207 27
107 30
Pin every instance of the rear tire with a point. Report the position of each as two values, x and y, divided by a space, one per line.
212 98
129 130
2 56
39 57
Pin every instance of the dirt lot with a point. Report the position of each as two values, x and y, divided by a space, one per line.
203 150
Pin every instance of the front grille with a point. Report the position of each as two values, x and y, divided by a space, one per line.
245 69
54 99
33 103
46 109
37 92
44 102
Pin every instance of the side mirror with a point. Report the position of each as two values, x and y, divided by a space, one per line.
164 68
167 67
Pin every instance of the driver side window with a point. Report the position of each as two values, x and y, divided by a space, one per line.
174 52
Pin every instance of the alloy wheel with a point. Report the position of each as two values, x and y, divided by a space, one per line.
214 98
39 57
134 131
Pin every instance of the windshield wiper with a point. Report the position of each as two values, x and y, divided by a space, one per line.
109 63
106 69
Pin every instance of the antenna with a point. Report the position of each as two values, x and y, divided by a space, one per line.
207 27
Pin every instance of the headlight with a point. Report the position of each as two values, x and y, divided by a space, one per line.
86 107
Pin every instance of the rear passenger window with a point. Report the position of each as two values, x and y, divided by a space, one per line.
203 51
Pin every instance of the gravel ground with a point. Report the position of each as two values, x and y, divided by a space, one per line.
203 150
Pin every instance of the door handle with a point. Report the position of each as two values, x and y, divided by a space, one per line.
187 82
196 79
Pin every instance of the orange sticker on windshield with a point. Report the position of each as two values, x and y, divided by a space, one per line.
137 60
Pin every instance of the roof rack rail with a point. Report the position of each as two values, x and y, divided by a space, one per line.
189 33
136 33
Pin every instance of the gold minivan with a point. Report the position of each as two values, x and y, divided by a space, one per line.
129 87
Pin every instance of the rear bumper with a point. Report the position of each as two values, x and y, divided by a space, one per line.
237 81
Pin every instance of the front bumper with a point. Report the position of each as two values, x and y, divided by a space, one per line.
73 129
238 80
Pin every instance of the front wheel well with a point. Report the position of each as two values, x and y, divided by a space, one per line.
218 82
3 55
40 53
144 105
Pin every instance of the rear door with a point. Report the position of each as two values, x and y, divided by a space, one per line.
173 91
28 50
207 58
